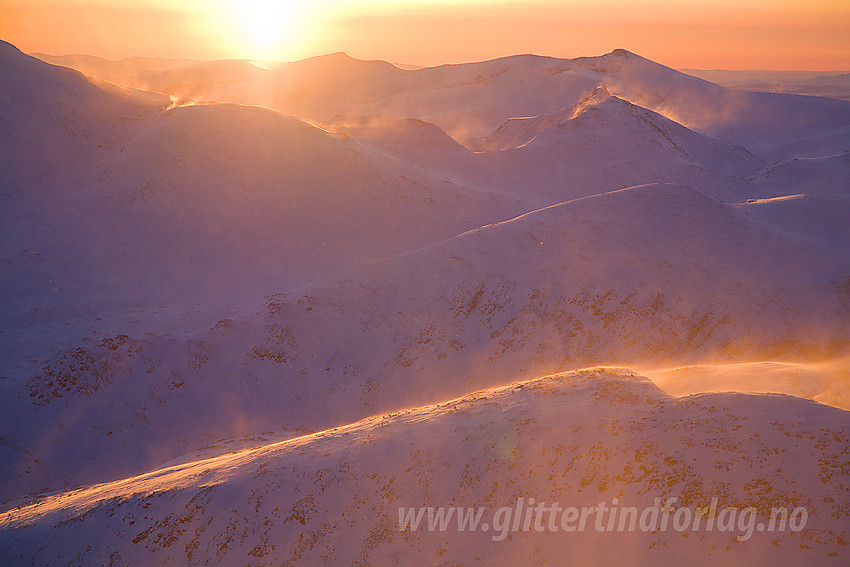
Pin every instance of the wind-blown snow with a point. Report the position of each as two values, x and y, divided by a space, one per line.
579 439
205 290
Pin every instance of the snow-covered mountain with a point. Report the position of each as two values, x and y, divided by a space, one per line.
123 71
547 155
182 279
56 121
604 438
655 275
814 83
469 101
202 205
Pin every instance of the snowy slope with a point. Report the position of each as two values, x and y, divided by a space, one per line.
577 439
630 146
827 175
56 121
471 100
123 72
182 280
214 204
650 275
200 205
547 156
825 382
809 197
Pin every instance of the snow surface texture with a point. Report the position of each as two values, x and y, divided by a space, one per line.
578 438
196 288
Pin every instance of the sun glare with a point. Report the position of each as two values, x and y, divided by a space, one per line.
268 26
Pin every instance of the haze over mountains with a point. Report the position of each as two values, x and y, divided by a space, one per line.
211 256
834 84
470 101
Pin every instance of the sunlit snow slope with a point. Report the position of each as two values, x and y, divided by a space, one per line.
262 255
577 439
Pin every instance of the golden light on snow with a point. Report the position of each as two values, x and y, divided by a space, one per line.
277 313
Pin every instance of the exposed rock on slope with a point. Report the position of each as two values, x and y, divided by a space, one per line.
579 439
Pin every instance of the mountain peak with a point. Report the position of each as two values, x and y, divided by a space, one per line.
619 52
5 46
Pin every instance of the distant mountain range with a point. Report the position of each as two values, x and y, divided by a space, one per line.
281 304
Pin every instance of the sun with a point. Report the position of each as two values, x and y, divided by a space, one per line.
268 26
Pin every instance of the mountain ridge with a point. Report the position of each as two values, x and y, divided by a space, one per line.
259 256
172 514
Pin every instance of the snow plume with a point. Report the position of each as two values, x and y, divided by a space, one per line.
242 335
180 101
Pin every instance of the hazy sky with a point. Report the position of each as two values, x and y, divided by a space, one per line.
708 34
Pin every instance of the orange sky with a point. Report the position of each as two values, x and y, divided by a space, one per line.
742 34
